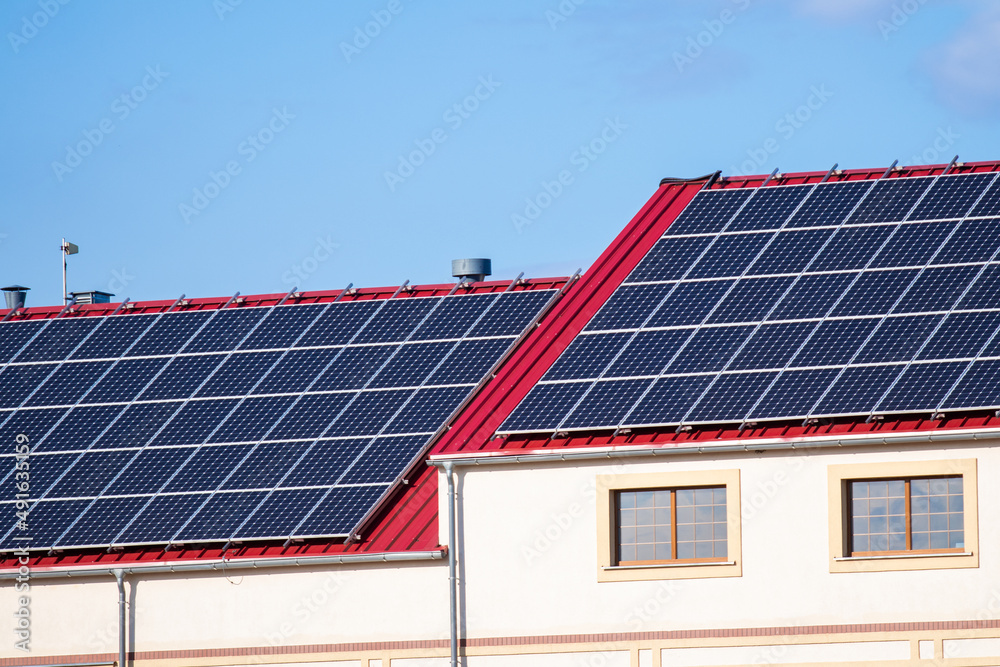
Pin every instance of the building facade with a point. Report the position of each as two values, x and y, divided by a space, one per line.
855 539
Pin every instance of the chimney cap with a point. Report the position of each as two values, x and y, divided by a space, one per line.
15 288
91 296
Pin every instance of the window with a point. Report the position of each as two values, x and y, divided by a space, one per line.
903 515
664 525
668 525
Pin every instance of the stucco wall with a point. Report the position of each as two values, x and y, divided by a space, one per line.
528 552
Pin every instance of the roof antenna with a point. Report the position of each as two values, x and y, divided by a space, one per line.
950 165
768 179
888 171
829 173
66 249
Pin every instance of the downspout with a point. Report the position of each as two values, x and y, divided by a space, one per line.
120 577
452 543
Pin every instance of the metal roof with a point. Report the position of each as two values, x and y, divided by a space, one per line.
409 521
475 429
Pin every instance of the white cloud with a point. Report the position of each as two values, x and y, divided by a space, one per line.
965 70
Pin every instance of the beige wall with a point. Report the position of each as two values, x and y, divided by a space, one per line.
529 568
531 542
335 604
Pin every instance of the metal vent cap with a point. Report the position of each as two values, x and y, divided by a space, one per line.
471 270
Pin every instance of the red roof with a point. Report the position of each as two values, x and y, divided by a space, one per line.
474 430
409 521
239 301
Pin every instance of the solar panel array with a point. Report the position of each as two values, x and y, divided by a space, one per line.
238 423
788 302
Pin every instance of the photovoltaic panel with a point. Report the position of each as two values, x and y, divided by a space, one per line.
794 302
238 423
989 204
707 212
167 334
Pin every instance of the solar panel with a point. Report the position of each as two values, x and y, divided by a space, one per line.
794 302
239 423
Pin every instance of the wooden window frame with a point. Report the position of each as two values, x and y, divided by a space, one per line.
908 513
609 570
841 559
673 528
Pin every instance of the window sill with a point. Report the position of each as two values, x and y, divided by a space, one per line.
660 565
851 559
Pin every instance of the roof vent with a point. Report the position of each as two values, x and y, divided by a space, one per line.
471 270
93 296
15 295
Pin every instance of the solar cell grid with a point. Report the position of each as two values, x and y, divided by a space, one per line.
58 339
608 403
412 364
751 300
587 355
769 208
913 245
338 323
792 251
169 333
989 204
890 200
687 303
381 461
853 248
285 325
669 259
729 255
511 313
829 204
124 380
867 298
227 329
731 394
67 383
952 197
649 350
772 345
116 336
707 212
974 241
920 383
452 317
338 511
15 335
239 374
629 307
153 452
163 516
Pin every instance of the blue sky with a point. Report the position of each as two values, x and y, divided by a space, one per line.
214 146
